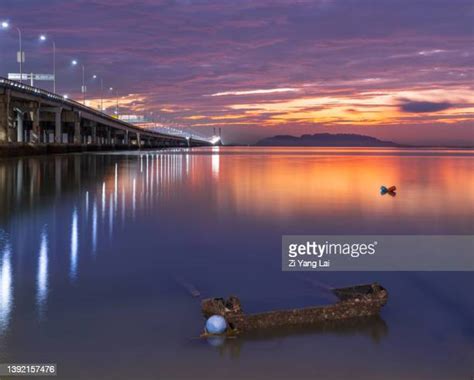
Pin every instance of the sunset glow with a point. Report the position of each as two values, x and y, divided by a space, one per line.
260 68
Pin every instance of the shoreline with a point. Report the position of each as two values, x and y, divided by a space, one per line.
27 150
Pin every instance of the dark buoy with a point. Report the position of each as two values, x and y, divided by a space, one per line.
388 190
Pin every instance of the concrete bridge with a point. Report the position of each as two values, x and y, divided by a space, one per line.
31 116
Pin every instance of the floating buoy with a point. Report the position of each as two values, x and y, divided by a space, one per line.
216 324
388 190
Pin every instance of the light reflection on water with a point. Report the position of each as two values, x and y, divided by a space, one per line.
94 227
42 279
6 289
74 245
95 243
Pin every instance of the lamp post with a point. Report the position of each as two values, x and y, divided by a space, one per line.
44 38
101 92
83 88
20 56
83 85
116 101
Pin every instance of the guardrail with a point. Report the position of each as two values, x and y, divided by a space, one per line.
7 83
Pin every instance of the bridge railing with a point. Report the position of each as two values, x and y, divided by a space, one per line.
4 82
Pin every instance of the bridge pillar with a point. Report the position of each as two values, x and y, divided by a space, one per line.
139 141
35 118
19 126
77 128
126 138
5 117
108 140
58 130
94 133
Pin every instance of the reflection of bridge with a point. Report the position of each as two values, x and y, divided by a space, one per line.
35 116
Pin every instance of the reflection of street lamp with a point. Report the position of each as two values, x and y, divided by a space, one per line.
44 38
20 57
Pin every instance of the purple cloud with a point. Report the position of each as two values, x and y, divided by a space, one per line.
423 106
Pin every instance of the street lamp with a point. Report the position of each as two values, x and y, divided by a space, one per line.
83 88
20 56
101 94
101 91
43 38
116 101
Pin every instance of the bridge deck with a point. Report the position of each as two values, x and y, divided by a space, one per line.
33 115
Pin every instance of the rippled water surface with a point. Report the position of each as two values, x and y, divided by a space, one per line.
99 255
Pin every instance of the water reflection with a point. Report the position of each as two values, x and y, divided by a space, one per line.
74 245
42 277
6 289
115 185
215 161
373 327
87 205
134 195
111 216
205 212
94 227
103 200
288 184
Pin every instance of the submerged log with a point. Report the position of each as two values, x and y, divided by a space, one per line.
354 302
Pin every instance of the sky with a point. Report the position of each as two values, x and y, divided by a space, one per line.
400 70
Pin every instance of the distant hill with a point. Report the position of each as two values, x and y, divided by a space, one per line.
325 139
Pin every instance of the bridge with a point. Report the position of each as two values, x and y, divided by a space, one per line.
32 116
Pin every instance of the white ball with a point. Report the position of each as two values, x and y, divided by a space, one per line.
216 324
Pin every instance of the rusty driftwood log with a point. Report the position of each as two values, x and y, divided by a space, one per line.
354 302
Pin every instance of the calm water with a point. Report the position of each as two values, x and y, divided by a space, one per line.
98 253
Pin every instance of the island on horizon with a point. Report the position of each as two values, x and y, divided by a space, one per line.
326 139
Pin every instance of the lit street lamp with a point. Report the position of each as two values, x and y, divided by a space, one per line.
20 57
83 88
101 92
44 38
116 101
